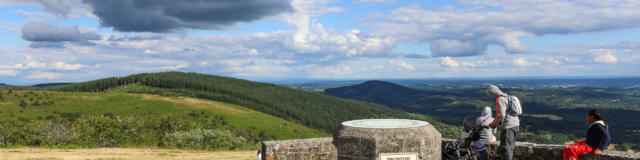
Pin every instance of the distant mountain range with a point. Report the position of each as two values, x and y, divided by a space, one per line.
50 84
555 113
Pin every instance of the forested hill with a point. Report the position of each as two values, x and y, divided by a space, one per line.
380 92
311 109
50 84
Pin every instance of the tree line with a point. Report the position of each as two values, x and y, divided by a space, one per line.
311 109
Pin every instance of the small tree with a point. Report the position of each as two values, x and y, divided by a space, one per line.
36 103
23 103
1 98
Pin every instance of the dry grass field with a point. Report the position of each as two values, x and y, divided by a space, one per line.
121 154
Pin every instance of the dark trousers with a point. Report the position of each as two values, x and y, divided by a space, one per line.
508 142
483 155
481 150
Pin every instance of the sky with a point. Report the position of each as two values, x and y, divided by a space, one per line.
44 41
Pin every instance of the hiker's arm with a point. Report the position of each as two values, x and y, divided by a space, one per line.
500 109
503 108
604 141
498 113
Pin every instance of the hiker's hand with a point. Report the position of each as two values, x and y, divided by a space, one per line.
597 151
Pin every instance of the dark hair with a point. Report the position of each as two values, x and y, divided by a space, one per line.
595 113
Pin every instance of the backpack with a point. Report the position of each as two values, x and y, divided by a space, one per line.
514 107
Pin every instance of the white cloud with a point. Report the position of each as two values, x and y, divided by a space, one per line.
148 65
378 67
253 51
65 66
468 31
467 64
43 75
606 58
310 36
314 50
27 63
449 62
402 64
176 67
8 72
35 16
148 51
625 45
375 1
35 64
524 63
59 7
340 69
559 60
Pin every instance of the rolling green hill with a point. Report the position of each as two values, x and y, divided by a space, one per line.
380 92
311 109
25 117
176 109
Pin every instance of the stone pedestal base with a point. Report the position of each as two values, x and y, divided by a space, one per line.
382 139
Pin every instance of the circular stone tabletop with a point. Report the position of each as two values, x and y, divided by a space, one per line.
385 123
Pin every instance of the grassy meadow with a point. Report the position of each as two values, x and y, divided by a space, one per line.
23 113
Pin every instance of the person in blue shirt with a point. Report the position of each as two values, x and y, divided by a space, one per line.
598 138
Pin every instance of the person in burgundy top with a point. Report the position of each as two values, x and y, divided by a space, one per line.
598 138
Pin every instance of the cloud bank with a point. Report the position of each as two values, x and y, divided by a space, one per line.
469 31
42 34
170 15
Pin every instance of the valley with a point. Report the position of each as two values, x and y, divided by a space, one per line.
551 114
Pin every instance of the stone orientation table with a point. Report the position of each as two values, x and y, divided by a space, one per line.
388 139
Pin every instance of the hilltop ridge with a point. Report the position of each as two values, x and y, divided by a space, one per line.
311 109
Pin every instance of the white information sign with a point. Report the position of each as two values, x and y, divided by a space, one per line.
398 156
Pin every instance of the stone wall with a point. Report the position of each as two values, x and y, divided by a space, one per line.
532 151
323 149
300 149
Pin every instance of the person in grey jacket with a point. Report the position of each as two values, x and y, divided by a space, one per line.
485 133
485 119
507 124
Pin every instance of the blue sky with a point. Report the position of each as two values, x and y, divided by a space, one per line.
74 40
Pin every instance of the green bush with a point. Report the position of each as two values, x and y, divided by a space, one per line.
209 139
40 133
100 131
128 131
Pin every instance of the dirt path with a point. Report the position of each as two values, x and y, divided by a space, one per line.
122 154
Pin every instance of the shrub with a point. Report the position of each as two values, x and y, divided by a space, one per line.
120 131
100 131
39 133
23 103
71 116
210 139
